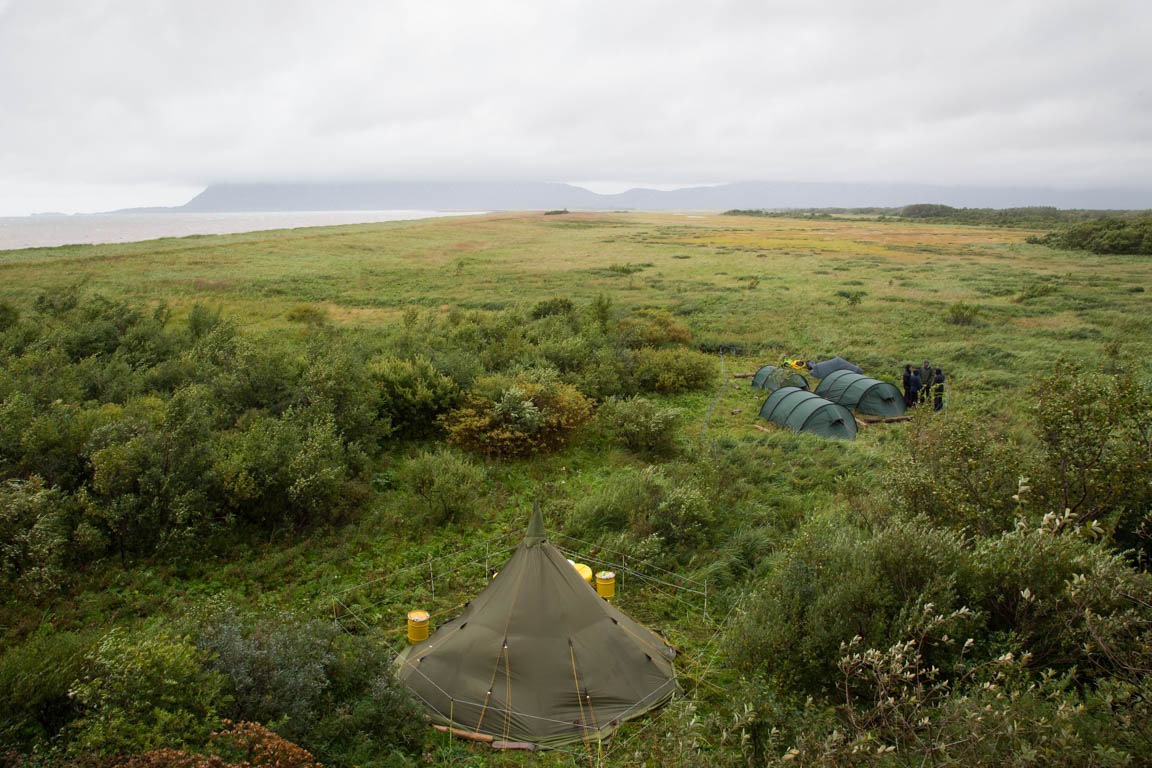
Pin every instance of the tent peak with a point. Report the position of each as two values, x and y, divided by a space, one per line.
535 532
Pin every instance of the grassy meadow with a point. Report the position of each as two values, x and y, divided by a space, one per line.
998 314
761 289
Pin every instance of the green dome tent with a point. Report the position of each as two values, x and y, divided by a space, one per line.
860 393
828 367
772 378
539 657
803 411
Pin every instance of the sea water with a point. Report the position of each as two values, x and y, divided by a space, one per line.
52 230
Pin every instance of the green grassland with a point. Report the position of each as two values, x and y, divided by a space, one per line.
751 291
768 288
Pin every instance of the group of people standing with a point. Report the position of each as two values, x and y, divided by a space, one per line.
924 385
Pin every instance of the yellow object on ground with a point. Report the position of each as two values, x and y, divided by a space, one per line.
417 626
584 571
606 584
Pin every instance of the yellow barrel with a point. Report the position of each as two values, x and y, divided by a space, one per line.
584 571
606 584
417 626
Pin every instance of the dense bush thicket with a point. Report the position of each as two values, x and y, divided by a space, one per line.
535 412
1105 235
128 693
1089 462
973 650
1027 216
985 604
640 424
993 612
124 433
445 485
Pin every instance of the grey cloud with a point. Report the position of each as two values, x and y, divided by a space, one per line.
120 92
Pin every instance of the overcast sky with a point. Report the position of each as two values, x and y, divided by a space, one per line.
108 103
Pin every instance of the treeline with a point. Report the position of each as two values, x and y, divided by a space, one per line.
1107 235
126 434
1029 216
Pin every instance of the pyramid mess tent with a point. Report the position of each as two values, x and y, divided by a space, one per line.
828 367
860 393
772 378
803 411
539 657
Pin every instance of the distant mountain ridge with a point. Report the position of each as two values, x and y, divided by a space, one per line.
474 196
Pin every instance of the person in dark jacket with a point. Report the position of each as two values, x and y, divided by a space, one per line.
907 379
938 390
914 387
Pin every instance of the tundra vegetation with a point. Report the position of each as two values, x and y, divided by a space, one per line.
203 440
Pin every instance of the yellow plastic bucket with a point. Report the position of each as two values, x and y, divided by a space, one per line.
417 626
584 571
606 584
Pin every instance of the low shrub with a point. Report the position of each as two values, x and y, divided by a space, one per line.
554 306
830 584
640 424
897 703
290 469
332 693
9 316
673 370
144 692
1034 291
957 474
274 666
307 314
609 372
37 529
948 609
649 504
852 297
445 485
34 680
536 413
413 394
238 745
960 313
653 328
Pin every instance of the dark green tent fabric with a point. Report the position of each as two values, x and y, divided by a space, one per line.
828 367
772 378
863 394
538 656
799 410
